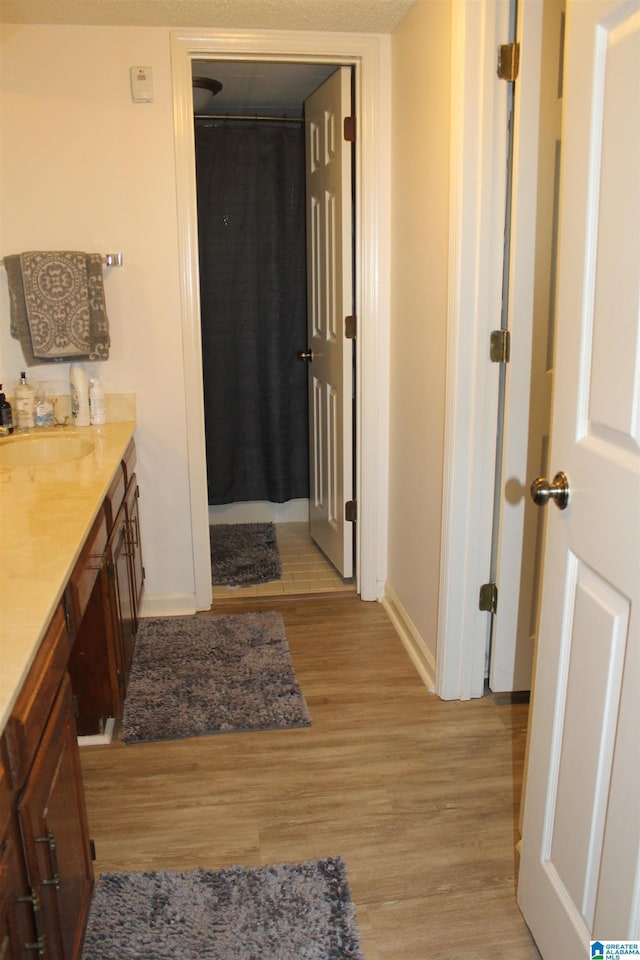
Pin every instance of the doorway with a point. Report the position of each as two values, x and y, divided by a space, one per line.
262 274
369 56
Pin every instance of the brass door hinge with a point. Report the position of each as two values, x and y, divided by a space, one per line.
488 597
508 61
500 347
351 511
350 324
350 129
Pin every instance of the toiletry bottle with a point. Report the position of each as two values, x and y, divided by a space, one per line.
97 409
79 389
6 415
25 404
44 408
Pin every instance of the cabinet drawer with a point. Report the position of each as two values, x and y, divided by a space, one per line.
86 571
129 461
33 706
115 496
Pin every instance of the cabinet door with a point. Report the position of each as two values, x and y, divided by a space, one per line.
95 663
18 938
135 543
55 833
120 549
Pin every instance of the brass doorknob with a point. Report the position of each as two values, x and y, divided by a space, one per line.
306 355
558 490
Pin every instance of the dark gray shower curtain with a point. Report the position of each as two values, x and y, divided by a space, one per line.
251 233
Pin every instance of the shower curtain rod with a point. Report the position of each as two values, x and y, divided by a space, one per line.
230 116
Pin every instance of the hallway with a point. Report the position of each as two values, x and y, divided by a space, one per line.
419 796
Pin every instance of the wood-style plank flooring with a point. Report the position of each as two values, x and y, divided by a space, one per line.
305 570
420 797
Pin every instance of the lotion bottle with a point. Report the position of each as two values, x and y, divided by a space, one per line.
79 389
25 404
97 409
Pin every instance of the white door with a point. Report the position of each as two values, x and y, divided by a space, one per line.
330 299
580 865
529 374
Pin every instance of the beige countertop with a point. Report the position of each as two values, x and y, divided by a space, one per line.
46 513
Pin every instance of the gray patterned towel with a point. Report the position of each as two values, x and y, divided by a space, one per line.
57 305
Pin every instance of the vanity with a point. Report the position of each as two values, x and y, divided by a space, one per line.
71 582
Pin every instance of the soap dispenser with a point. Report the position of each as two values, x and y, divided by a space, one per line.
25 404
44 408
6 415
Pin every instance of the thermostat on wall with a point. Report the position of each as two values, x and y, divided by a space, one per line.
141 84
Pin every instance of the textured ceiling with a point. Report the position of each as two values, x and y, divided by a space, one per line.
358 16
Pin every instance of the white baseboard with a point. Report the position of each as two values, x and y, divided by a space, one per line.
97 739
174 605
260 511
422 658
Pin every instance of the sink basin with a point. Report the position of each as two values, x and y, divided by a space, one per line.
32 450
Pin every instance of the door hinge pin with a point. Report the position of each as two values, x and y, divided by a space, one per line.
351 511
350 324
500 347
508 61
350 129
488 601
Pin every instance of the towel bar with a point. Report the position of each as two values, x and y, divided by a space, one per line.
109 260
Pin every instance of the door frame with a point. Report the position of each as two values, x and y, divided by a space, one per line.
370 57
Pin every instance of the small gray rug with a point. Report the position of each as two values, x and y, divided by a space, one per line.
201 674
244 554
285 912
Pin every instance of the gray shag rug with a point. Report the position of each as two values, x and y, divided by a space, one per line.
288 911
244 554
224 674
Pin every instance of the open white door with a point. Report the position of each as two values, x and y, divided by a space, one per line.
580 865
529 374
330 299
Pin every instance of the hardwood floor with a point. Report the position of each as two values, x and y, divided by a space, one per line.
420 797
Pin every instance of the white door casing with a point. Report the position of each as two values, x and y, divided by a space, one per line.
329 301
370 58
580 866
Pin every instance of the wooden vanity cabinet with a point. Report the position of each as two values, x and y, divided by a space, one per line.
105 626
45 780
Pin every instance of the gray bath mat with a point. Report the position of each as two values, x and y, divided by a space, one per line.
200 674
244 554
289 911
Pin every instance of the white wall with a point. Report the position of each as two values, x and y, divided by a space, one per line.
420 139
82 167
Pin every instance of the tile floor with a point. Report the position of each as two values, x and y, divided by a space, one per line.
305 570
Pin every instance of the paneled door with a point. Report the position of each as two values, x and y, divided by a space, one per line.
329 301
580 866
